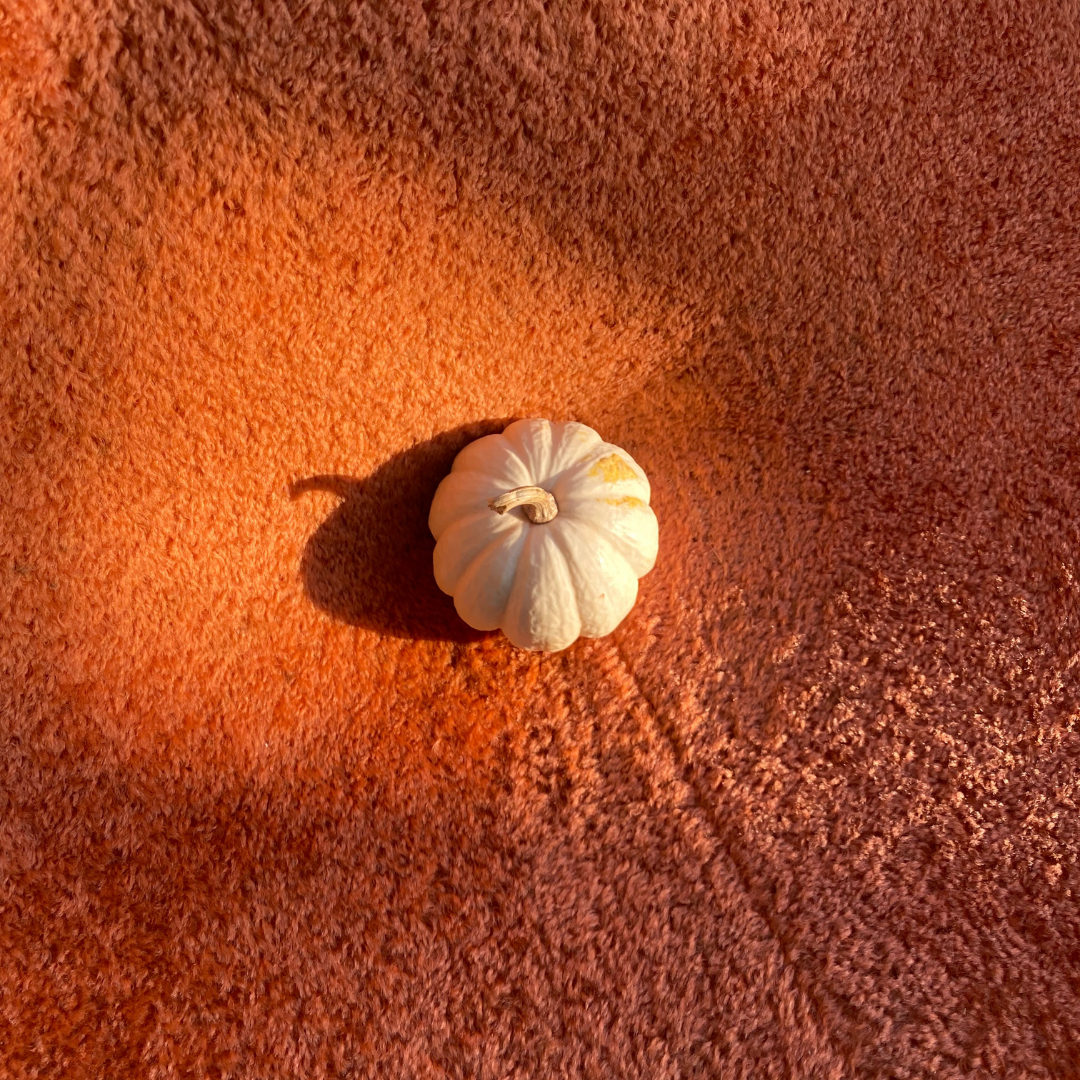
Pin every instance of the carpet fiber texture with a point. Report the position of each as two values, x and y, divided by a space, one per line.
268 808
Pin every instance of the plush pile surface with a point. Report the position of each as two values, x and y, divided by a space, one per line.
267 808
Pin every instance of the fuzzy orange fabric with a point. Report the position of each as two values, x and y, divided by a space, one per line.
267 807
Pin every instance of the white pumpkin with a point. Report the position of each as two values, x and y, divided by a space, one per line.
543 532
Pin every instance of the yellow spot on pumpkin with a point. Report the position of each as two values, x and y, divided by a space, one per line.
626 500
612 469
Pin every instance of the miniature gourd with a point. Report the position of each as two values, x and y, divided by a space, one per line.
543 532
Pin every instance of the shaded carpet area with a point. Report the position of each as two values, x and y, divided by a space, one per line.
267 807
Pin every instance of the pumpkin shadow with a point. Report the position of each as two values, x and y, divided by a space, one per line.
369 563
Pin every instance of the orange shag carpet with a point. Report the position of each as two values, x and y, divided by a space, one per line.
268 808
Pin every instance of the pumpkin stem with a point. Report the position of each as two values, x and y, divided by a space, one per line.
539 505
